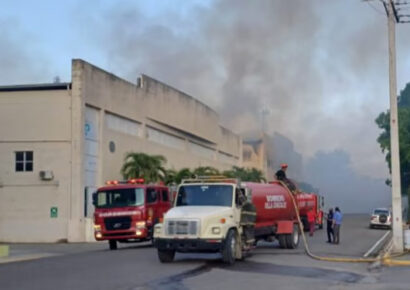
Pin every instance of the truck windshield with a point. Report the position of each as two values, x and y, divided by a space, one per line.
120 197
197 195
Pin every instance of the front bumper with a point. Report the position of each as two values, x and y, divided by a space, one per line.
189 245
377 223
130 234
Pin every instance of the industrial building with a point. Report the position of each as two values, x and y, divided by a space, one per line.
60 141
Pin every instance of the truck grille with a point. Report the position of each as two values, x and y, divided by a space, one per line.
117 223
182 227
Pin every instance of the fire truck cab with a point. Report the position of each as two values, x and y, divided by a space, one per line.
127 211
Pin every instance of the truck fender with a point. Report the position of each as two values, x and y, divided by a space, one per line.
284 227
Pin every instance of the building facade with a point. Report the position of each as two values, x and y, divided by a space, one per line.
59 142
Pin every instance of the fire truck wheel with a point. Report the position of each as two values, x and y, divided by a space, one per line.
292 240
229 248
166 256
282 241
113 244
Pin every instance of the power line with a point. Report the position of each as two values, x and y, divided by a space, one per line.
374 8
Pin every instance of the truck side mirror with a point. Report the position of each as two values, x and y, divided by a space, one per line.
94 198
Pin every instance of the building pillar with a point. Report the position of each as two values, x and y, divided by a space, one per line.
76 223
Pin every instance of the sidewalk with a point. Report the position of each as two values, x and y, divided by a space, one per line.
26 252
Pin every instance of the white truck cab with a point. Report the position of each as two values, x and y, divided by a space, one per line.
206 217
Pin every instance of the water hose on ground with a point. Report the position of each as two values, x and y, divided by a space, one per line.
384 259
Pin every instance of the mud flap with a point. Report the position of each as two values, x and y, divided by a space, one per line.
284 227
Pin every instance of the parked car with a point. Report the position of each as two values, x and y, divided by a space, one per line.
381 217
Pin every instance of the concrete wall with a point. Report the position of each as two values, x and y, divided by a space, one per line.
153 104
37 121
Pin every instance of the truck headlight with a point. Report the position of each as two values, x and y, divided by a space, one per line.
140 224
216 230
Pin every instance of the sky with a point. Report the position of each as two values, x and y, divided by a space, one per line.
319 67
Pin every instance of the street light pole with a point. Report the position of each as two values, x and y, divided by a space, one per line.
397 223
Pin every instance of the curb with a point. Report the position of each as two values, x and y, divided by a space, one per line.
4 251
5 260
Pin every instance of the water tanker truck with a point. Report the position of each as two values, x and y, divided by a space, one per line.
217 214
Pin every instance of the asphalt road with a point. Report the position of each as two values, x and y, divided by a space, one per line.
93 266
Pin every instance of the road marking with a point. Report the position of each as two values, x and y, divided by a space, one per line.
376 244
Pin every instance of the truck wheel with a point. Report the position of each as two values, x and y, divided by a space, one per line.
229 248
113 244
292 240
282 241
166 256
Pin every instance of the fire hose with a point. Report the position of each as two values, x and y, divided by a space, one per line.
385 259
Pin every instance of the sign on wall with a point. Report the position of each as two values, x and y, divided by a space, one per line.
54 212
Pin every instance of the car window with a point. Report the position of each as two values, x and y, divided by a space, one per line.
381 211
165 196
152 195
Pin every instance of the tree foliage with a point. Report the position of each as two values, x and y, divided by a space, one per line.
151 168
245 174
141 165
383 121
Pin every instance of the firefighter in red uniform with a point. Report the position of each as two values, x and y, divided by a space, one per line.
311 217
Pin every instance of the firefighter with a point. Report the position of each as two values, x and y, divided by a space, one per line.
311 217
248 217
281 175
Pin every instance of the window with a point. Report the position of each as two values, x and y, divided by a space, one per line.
165 196
120 198
152 195
24 161
202 150
165 139
123 125
205 195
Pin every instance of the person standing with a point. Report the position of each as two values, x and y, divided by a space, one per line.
311 218
329 228
337 223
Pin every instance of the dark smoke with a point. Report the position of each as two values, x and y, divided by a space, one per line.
331 172
320 67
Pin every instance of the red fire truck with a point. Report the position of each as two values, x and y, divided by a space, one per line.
126 211
306 201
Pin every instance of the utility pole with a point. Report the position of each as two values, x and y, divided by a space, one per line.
397 223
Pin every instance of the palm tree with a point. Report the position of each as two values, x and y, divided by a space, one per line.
183 174
245 174
170 175
141 165
205 171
